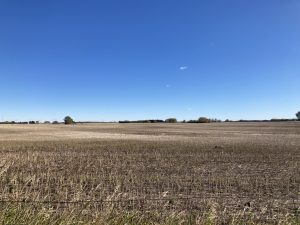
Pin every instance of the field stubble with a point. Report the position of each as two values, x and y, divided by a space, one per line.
144 173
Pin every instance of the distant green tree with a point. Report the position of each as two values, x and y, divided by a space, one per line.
171 120
69 120
298 115
203 120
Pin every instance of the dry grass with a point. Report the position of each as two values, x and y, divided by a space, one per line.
237 173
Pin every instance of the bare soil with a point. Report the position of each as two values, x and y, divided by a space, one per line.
193 173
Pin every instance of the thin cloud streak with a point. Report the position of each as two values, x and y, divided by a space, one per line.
183 67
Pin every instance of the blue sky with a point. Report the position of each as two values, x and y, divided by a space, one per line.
114 59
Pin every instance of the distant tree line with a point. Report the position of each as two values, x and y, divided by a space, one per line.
29 122
208 120
14 122
205 120
69 120
141 121
282 120
173 120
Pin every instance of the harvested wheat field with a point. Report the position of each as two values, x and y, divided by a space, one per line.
222 173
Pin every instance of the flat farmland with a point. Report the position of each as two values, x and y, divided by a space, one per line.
110 173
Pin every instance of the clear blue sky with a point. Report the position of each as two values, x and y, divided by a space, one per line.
137 59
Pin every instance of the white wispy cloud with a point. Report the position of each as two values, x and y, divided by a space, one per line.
183 67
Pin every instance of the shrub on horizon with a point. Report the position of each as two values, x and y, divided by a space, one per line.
171 120
203 120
